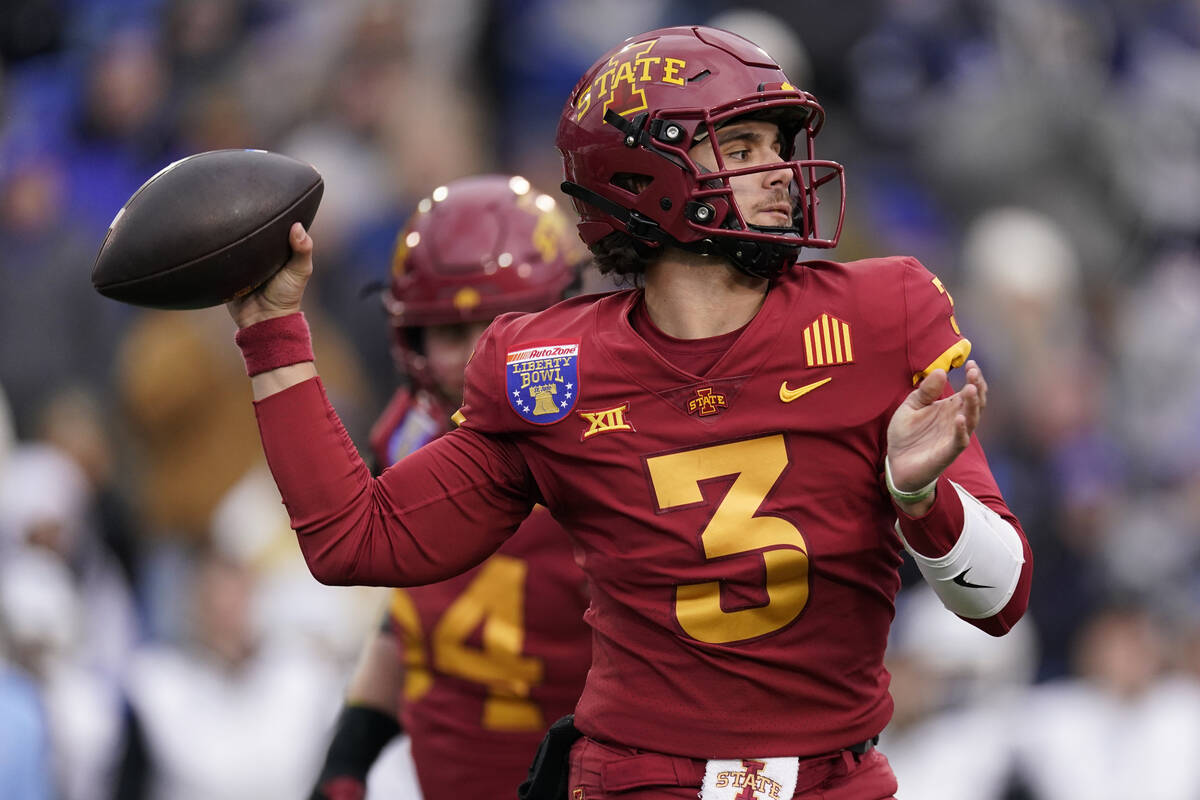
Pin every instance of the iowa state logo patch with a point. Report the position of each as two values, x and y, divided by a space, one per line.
543 381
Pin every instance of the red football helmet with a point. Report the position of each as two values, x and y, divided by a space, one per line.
475 248
626 132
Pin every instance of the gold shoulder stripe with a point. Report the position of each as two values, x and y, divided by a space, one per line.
827 342
955 356
458 418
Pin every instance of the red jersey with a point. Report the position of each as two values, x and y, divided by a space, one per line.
493 656
736 534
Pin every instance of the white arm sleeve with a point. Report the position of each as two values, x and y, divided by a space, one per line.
978 576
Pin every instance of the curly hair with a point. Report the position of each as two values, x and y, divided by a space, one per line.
622 257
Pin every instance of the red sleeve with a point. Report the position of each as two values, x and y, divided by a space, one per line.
934 338
436 513
935 341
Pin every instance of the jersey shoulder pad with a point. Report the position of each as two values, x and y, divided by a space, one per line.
525 368
935 340
899 301
574 315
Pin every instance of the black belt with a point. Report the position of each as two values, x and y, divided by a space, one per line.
863 747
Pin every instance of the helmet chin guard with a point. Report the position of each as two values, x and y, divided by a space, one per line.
628 128
757 259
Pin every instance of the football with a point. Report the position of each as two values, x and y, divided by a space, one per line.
206 229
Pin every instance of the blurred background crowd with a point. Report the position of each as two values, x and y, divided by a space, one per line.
160 636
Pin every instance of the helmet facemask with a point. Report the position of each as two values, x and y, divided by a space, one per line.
710 210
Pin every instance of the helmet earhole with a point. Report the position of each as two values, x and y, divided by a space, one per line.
665 204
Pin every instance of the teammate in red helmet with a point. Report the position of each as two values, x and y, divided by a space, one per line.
475 710
476 248
742 447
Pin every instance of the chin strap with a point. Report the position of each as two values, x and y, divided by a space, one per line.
757 259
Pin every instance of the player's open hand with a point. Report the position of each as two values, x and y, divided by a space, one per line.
280 295
928 431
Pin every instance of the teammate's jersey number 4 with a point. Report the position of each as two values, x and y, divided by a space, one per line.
493 603
736 528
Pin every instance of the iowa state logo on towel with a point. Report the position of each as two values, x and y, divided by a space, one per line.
543 381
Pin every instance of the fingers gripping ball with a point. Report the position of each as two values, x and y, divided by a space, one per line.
207 229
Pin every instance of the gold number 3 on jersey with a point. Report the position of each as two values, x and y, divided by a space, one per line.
734 529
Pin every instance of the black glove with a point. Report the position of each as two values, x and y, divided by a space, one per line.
360 735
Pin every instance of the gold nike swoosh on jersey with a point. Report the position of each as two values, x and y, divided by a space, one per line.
788 395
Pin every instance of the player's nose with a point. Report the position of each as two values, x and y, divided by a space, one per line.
778 177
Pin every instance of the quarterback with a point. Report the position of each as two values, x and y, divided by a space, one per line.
742 447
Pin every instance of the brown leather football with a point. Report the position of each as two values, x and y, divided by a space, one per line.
207 229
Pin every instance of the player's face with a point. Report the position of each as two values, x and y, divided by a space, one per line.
762 197
447 348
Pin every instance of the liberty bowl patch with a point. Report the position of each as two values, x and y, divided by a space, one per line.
543 381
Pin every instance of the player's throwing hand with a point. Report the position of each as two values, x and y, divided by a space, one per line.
281 295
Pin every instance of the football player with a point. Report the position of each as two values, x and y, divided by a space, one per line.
742 448
474 668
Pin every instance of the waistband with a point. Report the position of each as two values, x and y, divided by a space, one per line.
658 769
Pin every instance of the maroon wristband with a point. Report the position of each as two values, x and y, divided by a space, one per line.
276 342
